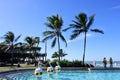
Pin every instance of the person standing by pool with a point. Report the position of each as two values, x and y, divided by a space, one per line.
111 62
105 62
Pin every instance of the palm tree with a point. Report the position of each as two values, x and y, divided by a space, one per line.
29 43
55 55
82 24
61 54
32 42
37 41
11 42
55 24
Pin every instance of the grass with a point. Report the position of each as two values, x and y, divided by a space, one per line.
23 66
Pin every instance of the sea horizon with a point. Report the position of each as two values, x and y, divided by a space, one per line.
100 63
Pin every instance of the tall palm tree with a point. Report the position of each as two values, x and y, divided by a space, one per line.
55 24
82 24
11 42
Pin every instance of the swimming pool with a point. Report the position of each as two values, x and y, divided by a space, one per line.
67 75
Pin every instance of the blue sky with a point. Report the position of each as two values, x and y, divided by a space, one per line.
27 17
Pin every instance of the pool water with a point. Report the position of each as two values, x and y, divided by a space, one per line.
67 75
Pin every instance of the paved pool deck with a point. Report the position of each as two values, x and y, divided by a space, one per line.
63 68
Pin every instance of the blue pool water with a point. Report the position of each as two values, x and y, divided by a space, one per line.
67 75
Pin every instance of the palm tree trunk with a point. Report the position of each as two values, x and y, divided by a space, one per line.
12 63
45 50
84 48
58 48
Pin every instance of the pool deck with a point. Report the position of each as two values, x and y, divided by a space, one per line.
63 68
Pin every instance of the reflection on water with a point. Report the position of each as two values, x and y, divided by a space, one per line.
39 78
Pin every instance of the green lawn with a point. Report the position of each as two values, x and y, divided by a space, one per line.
24 66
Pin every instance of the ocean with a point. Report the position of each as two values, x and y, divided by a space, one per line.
100 63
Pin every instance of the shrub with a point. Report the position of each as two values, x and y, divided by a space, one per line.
66 63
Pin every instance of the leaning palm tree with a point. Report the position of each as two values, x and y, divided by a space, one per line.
55 24
82 24
11 43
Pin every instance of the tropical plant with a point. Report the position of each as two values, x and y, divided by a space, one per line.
55 24
82 24
37 41
61 54
32 45
11 43
55 55
32 42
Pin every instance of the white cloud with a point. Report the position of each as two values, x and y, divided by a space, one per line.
116 7
79 38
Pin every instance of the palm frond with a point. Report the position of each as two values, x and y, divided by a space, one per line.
7 42
53 42
67 28
91 20
50 20
48 37
82 18
9 36
97 30
19 43
3 47
73 36
48 33
76 31
7 48
63 39
60 21
17 38
55 55
37 40
29 40
77 23
51 26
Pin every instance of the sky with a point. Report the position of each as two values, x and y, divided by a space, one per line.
27 17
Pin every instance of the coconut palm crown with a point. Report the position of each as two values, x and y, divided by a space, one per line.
32 42
11 42
55 23
82 24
